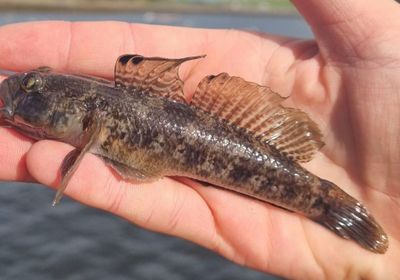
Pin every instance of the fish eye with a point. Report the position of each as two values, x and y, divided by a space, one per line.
32 82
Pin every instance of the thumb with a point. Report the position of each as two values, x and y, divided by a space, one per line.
344 29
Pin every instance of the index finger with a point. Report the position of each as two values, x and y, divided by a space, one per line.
89 47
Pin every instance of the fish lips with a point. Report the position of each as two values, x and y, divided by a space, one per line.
6 104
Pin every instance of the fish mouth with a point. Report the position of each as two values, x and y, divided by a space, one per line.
6 111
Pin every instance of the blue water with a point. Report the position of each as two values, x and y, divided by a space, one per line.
73 241
284 25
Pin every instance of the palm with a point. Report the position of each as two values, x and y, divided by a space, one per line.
336 95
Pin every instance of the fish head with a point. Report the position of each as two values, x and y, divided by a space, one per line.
22 101
36 104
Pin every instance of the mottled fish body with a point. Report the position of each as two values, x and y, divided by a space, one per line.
234 134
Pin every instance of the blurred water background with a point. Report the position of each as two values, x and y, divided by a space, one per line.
73 241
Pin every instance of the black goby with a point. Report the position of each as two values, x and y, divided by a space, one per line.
234 134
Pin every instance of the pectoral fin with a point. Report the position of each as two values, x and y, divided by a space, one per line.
72 161
68 167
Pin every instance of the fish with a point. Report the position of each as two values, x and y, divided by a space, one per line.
234 134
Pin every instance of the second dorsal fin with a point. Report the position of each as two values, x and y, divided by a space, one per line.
155 75
258 110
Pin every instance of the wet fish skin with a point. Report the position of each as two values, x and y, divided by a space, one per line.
144 136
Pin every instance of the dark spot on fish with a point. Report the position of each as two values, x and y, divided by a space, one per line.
146 140
85 122
154 133
137 59
122 135
204 173
320 204
240 173
124 59
98 103
106 144
265 183
179 113
218 164
288 192
193 157
211 77
256 178
112 129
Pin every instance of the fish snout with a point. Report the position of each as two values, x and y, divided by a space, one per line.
6 110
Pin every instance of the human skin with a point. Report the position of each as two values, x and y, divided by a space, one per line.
347 80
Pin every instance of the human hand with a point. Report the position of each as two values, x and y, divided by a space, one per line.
346 80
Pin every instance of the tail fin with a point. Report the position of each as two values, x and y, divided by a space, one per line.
349 219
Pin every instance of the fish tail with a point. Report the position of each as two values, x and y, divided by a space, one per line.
349 219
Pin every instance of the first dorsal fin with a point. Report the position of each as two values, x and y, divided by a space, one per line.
155 75
258 110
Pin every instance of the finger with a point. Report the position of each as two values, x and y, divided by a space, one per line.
341 25
81 47
164 205
13 150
